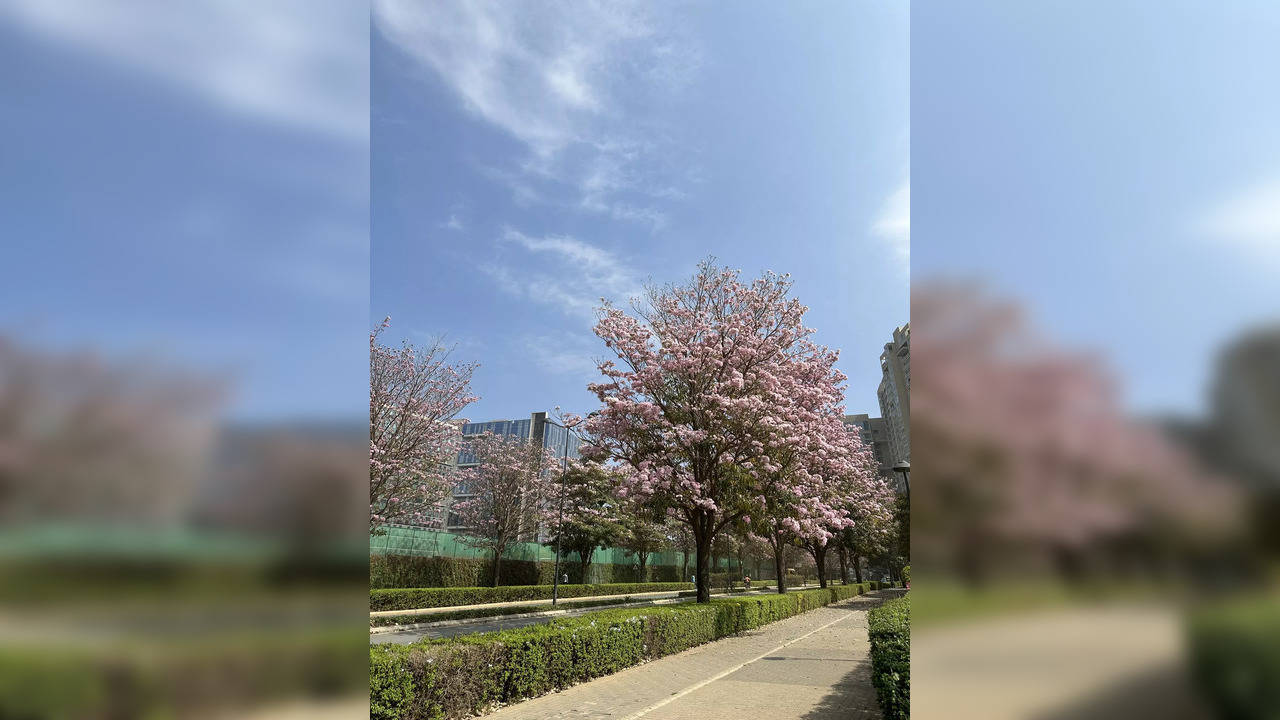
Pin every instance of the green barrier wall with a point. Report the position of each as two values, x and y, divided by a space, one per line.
402 540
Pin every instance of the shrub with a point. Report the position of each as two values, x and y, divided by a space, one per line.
906 574
390 686
413 571
889 630
1235 657
384 620
417 598
180 677
456 677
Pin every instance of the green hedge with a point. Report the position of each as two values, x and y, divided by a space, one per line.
186 678
386 620
889 630
1235 657
457 677
404 571
416 598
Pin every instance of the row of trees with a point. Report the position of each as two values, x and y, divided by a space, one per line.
1026 460
720 418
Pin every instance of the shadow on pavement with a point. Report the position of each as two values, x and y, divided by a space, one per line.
1164 692
852 697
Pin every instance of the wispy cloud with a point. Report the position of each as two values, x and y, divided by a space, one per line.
294 62
585 273
564 353
893 224
453 223
551 75
1248 220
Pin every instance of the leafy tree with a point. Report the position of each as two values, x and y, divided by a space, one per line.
585 515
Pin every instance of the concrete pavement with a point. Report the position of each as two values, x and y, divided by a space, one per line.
813 667
1089 663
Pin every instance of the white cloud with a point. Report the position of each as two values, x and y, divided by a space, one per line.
453 223
565 353
1249 220
297 63
556 76
536 70
585 274
893 224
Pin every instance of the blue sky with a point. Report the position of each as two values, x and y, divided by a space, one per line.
530 158
190 183
1115 167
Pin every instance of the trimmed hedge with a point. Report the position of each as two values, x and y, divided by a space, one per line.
457 677
220 676
404 571
385 620
417 598
1235 657
889 629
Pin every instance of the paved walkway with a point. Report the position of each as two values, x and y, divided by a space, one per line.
1098 663
812 667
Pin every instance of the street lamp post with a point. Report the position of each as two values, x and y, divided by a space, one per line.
564 475
904 467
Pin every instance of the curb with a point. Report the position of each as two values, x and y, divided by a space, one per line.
383 629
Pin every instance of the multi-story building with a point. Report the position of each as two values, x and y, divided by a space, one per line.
537 428
875 435
894 393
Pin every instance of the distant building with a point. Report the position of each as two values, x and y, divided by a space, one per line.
874 433
894 393
537 428
1246 409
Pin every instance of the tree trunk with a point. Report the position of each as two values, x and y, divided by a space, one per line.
857 567
497 565
703 540
777 566
819 553
644 560
843 556
584 557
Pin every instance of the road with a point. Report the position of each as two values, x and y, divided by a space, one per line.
810 667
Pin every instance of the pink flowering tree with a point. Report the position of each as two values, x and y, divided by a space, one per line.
818 482
708 377
507 495
1024 450
848 497
873 529
415 395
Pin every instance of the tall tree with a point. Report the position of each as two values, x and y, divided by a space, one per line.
509 494
709 374
415 394
643 532
585 513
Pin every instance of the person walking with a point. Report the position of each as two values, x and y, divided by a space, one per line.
746 582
